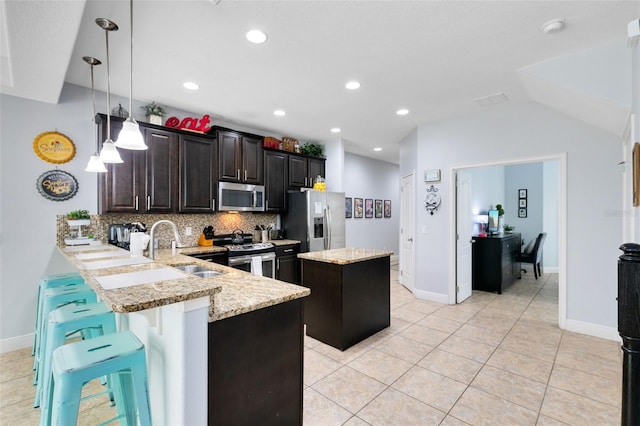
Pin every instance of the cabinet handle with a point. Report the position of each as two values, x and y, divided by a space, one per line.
213 204
266 204
305 181
148 202
245 174
278 264
287 250
238 174
136 203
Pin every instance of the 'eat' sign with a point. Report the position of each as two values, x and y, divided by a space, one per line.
191 123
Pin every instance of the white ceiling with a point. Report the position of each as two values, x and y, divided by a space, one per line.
431 57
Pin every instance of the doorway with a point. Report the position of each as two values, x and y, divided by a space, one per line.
407 231
458 256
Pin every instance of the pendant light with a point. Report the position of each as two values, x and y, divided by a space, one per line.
109 153
94 165
130 136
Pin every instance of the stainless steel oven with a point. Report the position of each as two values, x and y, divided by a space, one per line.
249 263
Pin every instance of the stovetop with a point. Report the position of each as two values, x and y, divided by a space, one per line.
247 247
251 247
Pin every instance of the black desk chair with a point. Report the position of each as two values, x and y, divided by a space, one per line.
534 255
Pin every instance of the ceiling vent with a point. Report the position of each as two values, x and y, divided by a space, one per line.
496 98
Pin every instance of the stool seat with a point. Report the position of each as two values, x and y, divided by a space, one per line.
75 364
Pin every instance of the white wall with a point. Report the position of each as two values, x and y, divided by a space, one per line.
529 177
368 178
518 131
487 187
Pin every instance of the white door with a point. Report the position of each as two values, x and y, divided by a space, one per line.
464 231
407 233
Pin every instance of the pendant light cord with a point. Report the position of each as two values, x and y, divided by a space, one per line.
93 117
131 61
106 32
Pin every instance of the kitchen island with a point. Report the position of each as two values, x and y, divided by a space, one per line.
350 294
188 325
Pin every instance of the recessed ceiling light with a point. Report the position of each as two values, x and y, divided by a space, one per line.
190 85
402 112
256 36
378 149
352 85
279 113
553 26
335 130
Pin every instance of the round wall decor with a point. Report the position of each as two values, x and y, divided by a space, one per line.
54 147
57 185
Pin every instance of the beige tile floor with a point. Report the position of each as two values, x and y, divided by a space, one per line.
492 360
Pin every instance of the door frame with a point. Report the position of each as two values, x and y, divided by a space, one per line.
561 158
412 217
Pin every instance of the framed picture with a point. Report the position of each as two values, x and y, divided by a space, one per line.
348 207
368 208
357 207
522 202
522 193
522 212
378 208
387 208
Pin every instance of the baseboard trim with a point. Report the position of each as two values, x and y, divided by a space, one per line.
594 330
15 343
430 296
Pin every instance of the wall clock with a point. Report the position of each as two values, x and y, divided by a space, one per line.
54 147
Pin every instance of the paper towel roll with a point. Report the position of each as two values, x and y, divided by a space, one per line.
256 265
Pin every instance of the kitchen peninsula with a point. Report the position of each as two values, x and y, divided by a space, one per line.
192 325
350 295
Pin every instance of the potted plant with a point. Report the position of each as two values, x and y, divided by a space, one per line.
154 112
508 228
312 149
78 218
500 218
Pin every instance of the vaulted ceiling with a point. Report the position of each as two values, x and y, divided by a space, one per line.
430 57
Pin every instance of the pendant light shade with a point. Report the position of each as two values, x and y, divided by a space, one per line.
109 153
130 136
95 165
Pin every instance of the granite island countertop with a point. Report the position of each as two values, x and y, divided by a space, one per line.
344 256
234 292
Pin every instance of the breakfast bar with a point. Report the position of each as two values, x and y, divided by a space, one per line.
350 295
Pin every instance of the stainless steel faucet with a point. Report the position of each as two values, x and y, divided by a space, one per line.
175 233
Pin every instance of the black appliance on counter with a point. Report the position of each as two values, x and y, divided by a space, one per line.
244 255
119 234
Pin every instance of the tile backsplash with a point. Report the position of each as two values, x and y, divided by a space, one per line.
223 223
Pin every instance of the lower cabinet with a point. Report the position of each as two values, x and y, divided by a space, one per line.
287 264
495 264
220 258
256 367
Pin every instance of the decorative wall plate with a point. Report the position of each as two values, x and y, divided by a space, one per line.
54 147
432 200
57 185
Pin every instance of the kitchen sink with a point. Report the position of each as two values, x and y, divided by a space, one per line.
197 270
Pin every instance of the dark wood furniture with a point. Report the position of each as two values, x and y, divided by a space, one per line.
198 174
348 303
495 262
276 173
147 181
287 265
240 156
302 170
256 367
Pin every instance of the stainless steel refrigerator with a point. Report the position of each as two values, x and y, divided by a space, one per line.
316 219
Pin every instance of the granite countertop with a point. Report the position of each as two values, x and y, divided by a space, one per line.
233 292
344 256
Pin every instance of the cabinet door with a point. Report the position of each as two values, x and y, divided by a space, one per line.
315 167
229 154
120 186
252 162
161 173
298 176
275 180
287 269
197 174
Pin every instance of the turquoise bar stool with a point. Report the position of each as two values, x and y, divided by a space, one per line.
75 364
54 298
64 322
48 281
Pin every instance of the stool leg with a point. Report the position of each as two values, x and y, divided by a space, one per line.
141 386
66 402
42 388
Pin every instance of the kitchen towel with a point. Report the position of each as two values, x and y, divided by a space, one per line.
256 265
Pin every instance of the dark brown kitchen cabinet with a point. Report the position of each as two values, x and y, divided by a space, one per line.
146 182
276 168
302 170
240 157
198 174
287 264
494 260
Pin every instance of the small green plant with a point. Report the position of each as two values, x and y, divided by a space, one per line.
78 215
154 109
508 228
312 149
500 209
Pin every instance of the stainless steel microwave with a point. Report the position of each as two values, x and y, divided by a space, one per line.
240 197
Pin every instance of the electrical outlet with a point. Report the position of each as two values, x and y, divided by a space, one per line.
188 231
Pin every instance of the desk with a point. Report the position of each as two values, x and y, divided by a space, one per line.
495 265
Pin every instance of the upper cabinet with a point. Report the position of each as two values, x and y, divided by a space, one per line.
198 174
276 172
302 170
240 157
146 182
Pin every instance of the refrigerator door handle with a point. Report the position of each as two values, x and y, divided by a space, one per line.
329 226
